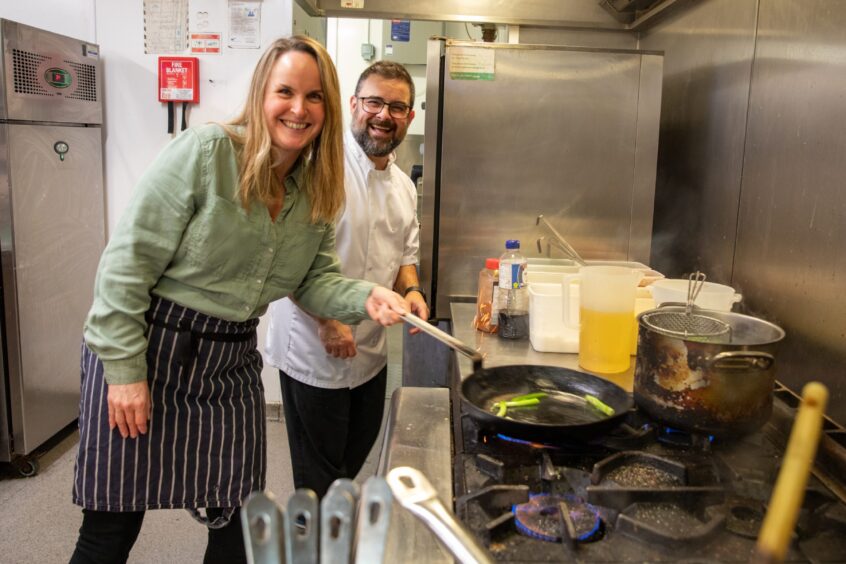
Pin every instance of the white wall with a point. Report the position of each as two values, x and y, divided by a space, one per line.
74 18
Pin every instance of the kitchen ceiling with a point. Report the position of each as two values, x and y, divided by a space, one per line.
631 15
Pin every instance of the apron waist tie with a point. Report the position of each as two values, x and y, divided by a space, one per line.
217 522
185 346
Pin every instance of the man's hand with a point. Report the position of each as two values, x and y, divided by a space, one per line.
337 338
417 306
129 408
384 306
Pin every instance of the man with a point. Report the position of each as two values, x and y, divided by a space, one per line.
333 376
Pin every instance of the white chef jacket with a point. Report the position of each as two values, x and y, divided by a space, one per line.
376 234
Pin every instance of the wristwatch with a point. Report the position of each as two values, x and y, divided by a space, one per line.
415 289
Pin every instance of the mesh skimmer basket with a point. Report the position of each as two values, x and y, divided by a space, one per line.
686 325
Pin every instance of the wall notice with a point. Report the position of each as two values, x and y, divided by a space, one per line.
244 25
206 43
165 26
471 63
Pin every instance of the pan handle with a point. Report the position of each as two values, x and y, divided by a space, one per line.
741 360
446 339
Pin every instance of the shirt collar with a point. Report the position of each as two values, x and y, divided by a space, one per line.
362 158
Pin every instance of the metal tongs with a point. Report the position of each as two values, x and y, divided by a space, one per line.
559 242
339 528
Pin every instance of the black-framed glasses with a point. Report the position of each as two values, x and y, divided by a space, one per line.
374 105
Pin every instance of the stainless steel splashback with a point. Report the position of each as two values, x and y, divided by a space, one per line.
571 133
49 77
751 168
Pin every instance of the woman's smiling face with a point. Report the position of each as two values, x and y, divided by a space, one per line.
293 102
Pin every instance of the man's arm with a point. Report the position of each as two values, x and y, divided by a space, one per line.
337 338
407 284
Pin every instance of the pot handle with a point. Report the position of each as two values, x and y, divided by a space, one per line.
739 360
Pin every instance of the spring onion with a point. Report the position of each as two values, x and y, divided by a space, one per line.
517 401
599 405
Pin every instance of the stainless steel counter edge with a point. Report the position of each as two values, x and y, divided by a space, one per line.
417 434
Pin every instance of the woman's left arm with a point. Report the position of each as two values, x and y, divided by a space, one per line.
326 292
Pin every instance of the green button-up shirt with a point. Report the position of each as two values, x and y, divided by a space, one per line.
185 237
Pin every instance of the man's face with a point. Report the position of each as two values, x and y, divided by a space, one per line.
380 133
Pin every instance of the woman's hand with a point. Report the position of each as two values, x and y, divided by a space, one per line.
129 408
384 306
337 338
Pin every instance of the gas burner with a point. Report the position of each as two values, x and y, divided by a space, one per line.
682 439
669 524
553 517
638 477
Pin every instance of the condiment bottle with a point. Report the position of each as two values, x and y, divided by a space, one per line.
513 293
486 298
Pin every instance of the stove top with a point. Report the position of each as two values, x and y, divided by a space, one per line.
643 493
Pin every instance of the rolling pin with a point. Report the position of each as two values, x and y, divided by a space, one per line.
789 490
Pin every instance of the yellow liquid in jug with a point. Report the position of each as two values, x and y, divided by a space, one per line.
605 340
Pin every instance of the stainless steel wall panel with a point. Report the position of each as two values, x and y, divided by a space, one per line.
556 133
790 261
603 39
57 211
708 52
645 157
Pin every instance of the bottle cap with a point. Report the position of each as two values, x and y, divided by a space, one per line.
512 244
492 263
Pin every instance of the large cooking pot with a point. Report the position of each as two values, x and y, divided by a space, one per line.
717 385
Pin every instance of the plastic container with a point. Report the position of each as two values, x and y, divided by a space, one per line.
606 316
711 296
487 309
513 293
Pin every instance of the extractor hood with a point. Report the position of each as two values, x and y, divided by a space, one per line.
594 14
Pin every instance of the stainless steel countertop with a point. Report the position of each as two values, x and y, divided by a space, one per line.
496 351
418 434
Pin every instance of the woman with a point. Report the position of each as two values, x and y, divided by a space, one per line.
226 220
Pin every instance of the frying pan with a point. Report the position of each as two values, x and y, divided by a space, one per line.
562 414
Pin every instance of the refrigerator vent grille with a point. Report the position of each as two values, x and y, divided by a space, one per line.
25 65
86 82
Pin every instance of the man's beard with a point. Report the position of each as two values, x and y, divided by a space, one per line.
372 147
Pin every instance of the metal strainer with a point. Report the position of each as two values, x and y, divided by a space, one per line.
687 324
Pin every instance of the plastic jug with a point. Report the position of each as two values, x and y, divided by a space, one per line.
606 314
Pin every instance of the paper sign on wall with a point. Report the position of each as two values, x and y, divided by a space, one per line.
206 43
469 63
165 26
358 4
244 25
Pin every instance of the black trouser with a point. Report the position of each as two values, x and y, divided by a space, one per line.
106 537
331 432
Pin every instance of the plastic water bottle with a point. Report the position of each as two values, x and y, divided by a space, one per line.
513 293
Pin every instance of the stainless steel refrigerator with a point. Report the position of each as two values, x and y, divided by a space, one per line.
52 228
513 131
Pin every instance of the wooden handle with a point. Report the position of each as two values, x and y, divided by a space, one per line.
789 490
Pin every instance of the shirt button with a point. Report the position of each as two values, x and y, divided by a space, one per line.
270 249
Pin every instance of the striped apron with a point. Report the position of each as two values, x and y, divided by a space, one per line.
205 441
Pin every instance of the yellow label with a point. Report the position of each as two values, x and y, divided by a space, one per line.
605 340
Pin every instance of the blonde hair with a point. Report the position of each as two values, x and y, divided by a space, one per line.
323 181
